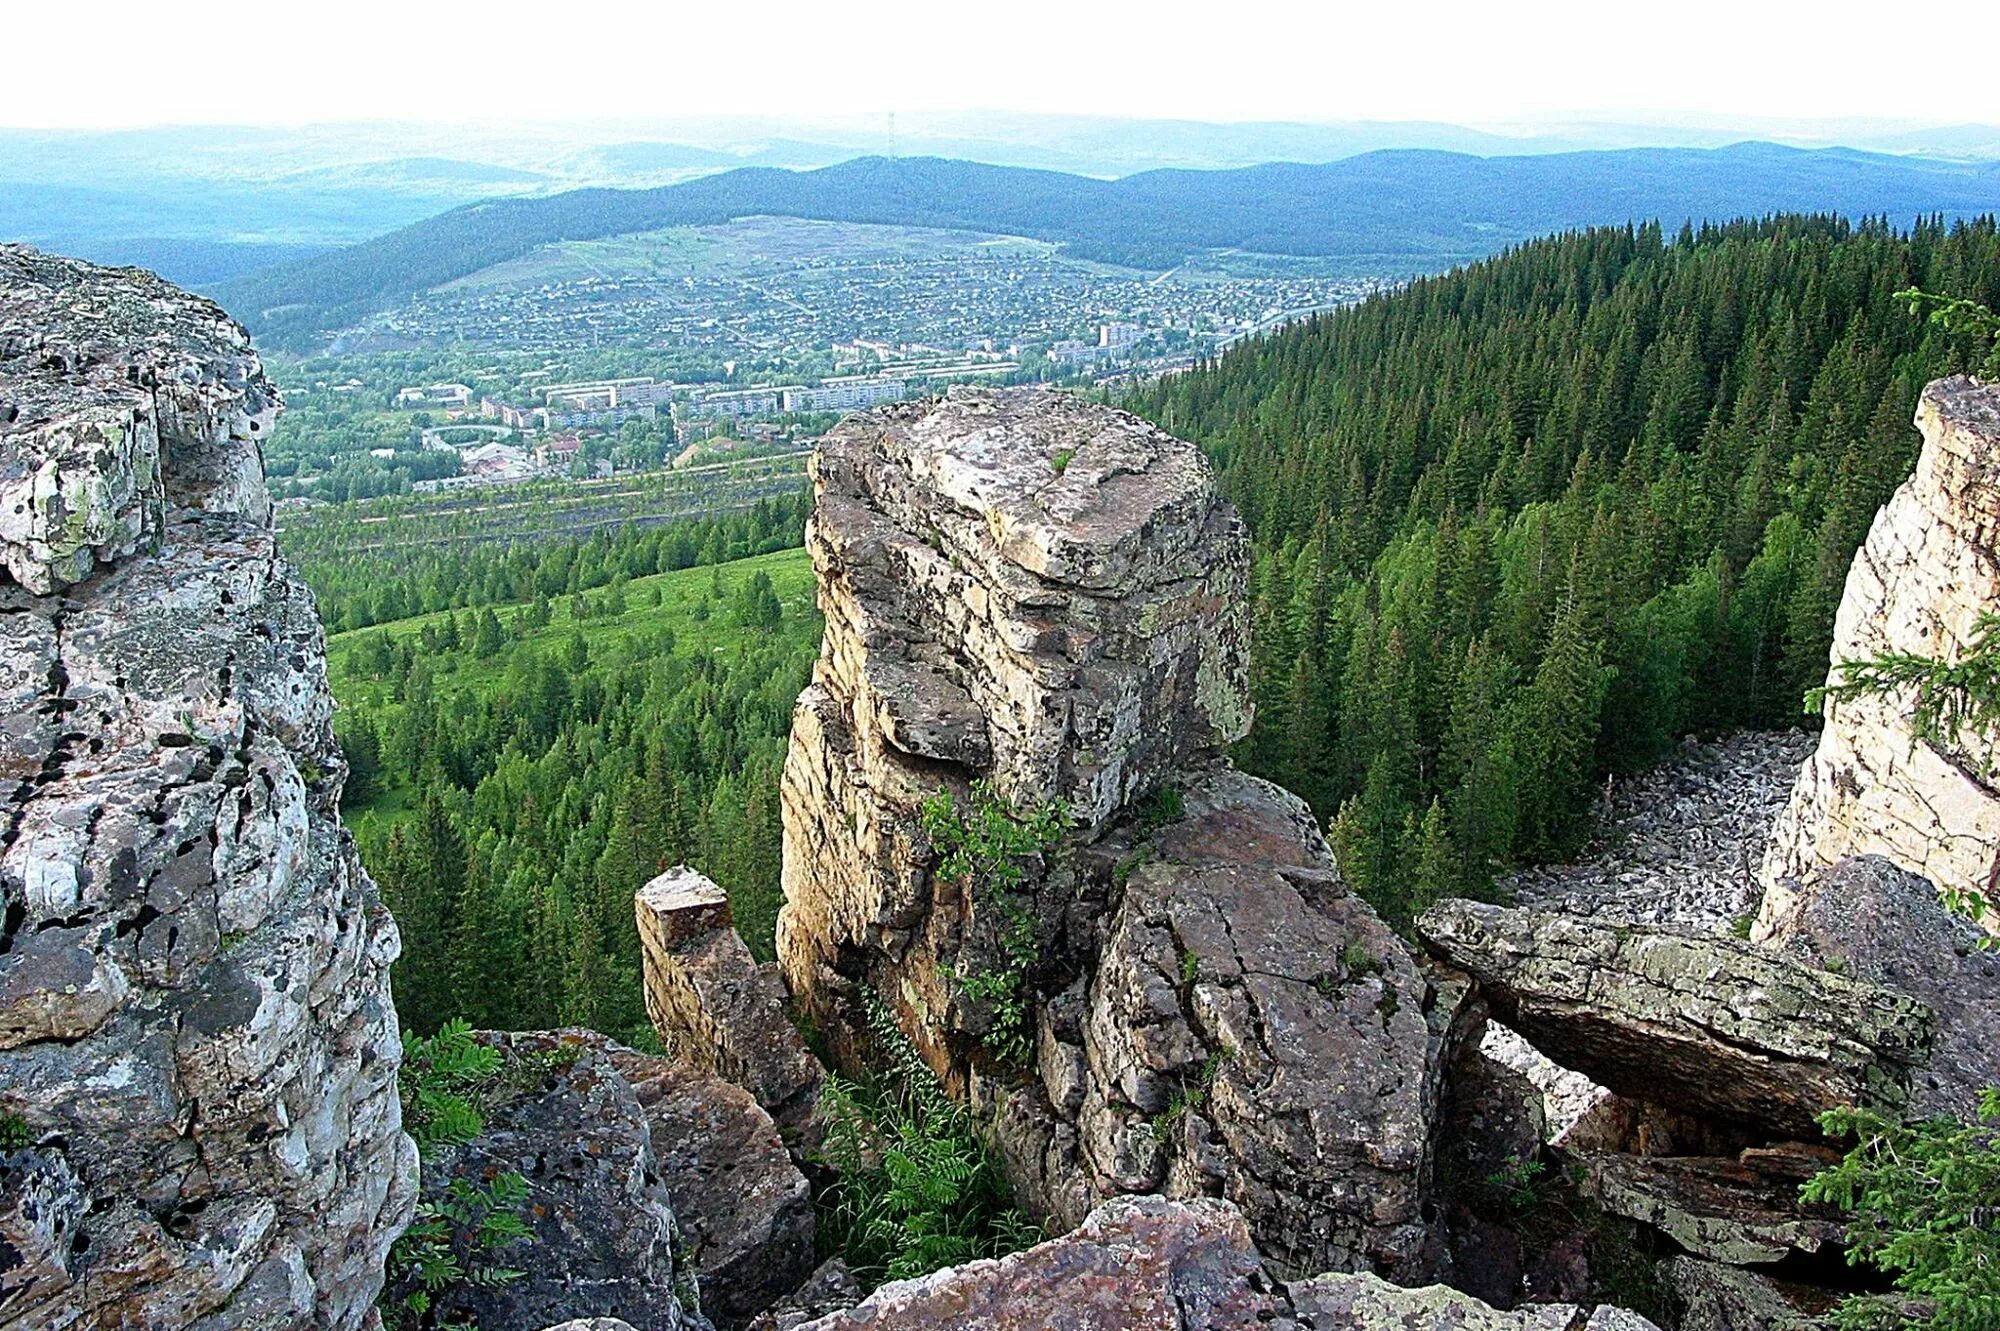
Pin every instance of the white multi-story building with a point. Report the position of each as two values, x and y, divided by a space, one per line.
846 394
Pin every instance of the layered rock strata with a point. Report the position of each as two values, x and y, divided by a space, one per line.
196 1032
1034 605
1709 1026
713 1006
1928 570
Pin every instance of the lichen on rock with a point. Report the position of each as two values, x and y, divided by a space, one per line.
195 1023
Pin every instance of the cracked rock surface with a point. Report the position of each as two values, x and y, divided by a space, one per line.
1708 1026
195 1023
1147 1264
1929 568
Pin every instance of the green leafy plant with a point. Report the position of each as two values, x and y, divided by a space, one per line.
1960 318
1163 806
1924 1206
454 1238
1063 457
15 1132
1517 1183
915 1187
984 847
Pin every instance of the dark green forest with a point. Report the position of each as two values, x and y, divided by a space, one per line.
516 773
1531 522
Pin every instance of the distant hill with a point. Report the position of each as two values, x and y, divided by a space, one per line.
1398 210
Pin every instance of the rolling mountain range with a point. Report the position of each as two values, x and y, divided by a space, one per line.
1390 213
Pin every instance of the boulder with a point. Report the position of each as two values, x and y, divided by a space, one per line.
1713 1296
604 1242
1876 922
195 1020
1134 1264
1709 1026
713 1006
1927 571
1147 1264
745 1210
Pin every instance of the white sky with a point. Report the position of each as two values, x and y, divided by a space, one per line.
104 63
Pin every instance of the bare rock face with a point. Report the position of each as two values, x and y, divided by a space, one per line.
1146 1264
121 397
195 1022
1251 1031
744 1209
1710 1026
713 1006
605 1240
1045 600
1930 566
1876 922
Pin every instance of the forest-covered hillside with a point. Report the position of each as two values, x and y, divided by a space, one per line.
1531 522
1378 213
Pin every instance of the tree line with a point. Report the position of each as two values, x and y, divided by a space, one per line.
1530 522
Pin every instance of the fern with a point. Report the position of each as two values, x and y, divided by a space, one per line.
452 1240
915 1186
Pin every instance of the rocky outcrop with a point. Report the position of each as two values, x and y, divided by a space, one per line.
713 1006
604 1241
1929 568
1036 604
1708 1026
195 1025
1145 1264
744 1209
1249 1030
1875 922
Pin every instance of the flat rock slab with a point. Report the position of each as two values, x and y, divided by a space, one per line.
1706 1025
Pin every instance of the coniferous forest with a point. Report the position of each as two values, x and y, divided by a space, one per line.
1517 527
1532 522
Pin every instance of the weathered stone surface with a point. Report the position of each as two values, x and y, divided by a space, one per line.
1679 844
1133 1264
1706 1025
604 1240
1713 1296
594 1324
1047 597
1365 1302
714 1006
831 1288
1019 587
1879 923
744 1209
1715 1208
1250 1031
194 970
121 397
1929 568
1145 1264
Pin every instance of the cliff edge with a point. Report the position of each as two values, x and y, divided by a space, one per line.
198 1050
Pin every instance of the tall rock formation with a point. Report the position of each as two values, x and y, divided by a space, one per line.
1034 605
1929 568
196 1035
